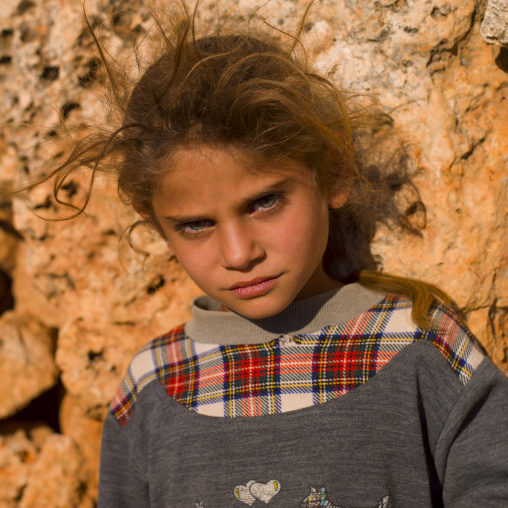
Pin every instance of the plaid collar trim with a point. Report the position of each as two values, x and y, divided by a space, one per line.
291 371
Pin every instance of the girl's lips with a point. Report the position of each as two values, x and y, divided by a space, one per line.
254 287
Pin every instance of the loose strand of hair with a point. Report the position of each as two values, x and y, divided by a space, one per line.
61 177
127 232
422 294
301 26
114 86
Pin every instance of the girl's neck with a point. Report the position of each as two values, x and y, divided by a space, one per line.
321 285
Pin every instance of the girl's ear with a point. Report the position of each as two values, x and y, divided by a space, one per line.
337 198
338 195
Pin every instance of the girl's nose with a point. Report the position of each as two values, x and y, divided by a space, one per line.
240 247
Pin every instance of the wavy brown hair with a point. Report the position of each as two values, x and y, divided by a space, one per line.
257 93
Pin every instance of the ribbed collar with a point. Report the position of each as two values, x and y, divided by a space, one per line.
210 325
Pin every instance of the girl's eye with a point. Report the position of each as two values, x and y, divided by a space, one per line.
198 225
194 227
265 202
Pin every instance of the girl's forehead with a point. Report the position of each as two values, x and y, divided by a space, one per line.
218 175
194 164
209 155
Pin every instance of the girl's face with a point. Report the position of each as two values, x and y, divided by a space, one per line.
251 237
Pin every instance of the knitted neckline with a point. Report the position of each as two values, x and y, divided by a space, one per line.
210 325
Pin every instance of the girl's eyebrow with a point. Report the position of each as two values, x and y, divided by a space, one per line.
280 186
177 220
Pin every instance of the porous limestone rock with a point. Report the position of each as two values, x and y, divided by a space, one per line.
8 239
27 366
56 478
86 433
494 27
8 235
39 468
19 450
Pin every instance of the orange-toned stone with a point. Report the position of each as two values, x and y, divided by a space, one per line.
86 433
27 366
57 477
19 451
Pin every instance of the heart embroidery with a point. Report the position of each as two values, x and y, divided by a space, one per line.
243 494
253 490
265 492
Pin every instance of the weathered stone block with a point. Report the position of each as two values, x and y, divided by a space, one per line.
27 366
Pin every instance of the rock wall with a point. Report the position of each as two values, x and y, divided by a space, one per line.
77 302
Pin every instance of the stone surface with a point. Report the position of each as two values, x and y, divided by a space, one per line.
39 468
86 433
494 27
9 238
444 94
27 366
56 478
19 451
8 235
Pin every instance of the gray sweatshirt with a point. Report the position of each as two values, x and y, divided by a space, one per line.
339 401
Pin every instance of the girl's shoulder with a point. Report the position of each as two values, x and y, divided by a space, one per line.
390 327
147 366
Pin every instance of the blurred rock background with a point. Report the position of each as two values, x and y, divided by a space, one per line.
72 315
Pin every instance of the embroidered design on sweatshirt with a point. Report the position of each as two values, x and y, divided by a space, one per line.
265 492
317 499
254 490
290 372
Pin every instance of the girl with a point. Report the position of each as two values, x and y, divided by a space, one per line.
291 385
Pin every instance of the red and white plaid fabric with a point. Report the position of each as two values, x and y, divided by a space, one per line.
292 371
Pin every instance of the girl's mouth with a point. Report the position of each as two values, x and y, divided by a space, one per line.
254 287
